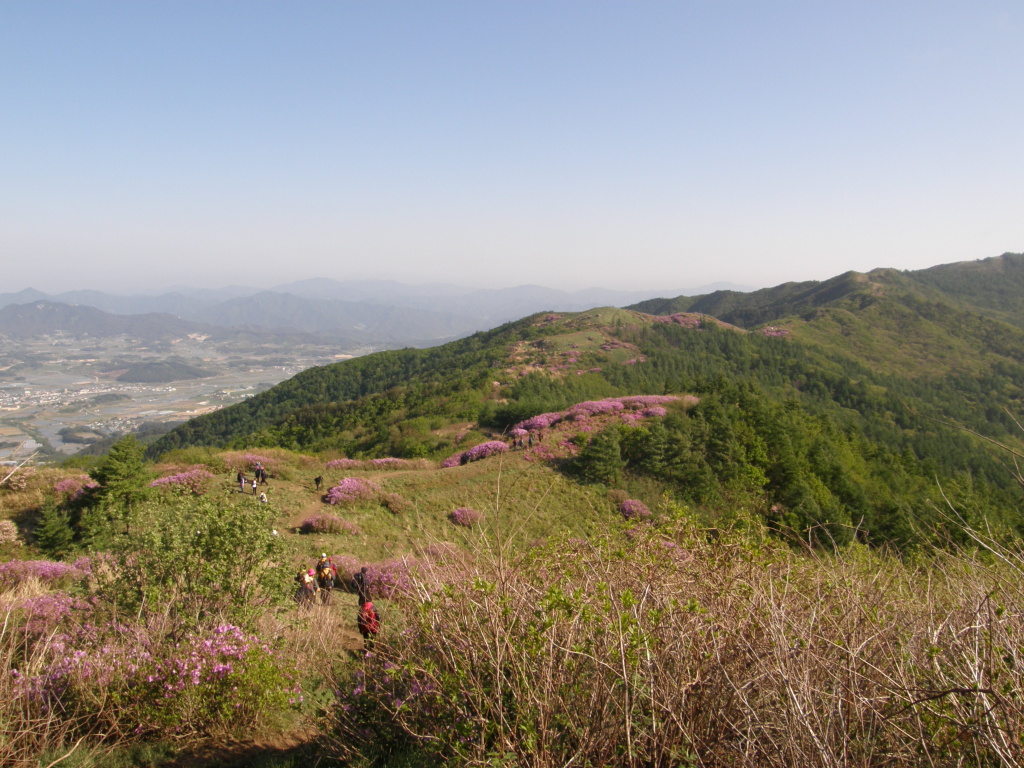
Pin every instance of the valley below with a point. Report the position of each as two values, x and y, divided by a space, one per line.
60 394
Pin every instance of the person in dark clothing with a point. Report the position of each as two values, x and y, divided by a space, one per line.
362 582
318 481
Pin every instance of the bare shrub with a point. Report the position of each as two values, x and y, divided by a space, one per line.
669 651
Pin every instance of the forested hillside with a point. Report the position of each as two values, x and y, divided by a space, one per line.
842 409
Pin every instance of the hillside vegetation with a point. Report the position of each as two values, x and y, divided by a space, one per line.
607 537
841 419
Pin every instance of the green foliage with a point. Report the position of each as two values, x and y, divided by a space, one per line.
54 534
601 460
191 559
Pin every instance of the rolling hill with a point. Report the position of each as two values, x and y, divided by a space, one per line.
840 404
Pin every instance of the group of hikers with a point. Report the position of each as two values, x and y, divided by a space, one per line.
259 478
320 580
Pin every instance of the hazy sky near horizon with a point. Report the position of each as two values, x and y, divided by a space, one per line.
569 143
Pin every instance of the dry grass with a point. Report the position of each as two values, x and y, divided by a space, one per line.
675 652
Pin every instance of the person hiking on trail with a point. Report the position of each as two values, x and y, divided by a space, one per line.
318 481
241 482
368 622
362 582
326 563
307 587
254 486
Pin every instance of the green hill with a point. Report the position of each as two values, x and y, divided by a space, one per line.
836 416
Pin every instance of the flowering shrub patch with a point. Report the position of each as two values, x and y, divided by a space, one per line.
632 509
465 516
653 411
328 524
475 453
44 612
342 464
207 681
686 321
389 462
387 578
74 487
540 421
645 406
47 571
192 480
252 459
351 489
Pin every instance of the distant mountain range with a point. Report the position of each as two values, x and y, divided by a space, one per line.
380 313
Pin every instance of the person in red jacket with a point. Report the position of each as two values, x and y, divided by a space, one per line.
369 622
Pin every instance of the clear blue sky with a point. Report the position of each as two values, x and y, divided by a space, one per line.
488 143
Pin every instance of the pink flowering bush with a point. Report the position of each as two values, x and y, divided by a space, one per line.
252 459
74 487
328 524
208 680
16 572
475 453
193 480
655 411
351 489
583 411
632 509
342 464
465 516
387 578
453 460
389 462
484 450
42 613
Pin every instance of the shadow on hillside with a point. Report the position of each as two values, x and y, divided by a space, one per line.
288 753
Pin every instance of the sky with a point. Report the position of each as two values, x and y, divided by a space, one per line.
564 143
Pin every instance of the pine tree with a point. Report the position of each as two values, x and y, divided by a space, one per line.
122 474
601 461
54 534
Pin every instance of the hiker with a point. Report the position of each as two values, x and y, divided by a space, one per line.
368 623
263 498
326 574
362 583
307 587
254 486
318 481
263 476
241 482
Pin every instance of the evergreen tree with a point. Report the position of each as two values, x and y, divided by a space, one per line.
601 461
122 476
54 534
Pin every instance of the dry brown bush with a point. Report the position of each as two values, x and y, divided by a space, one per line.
670 651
